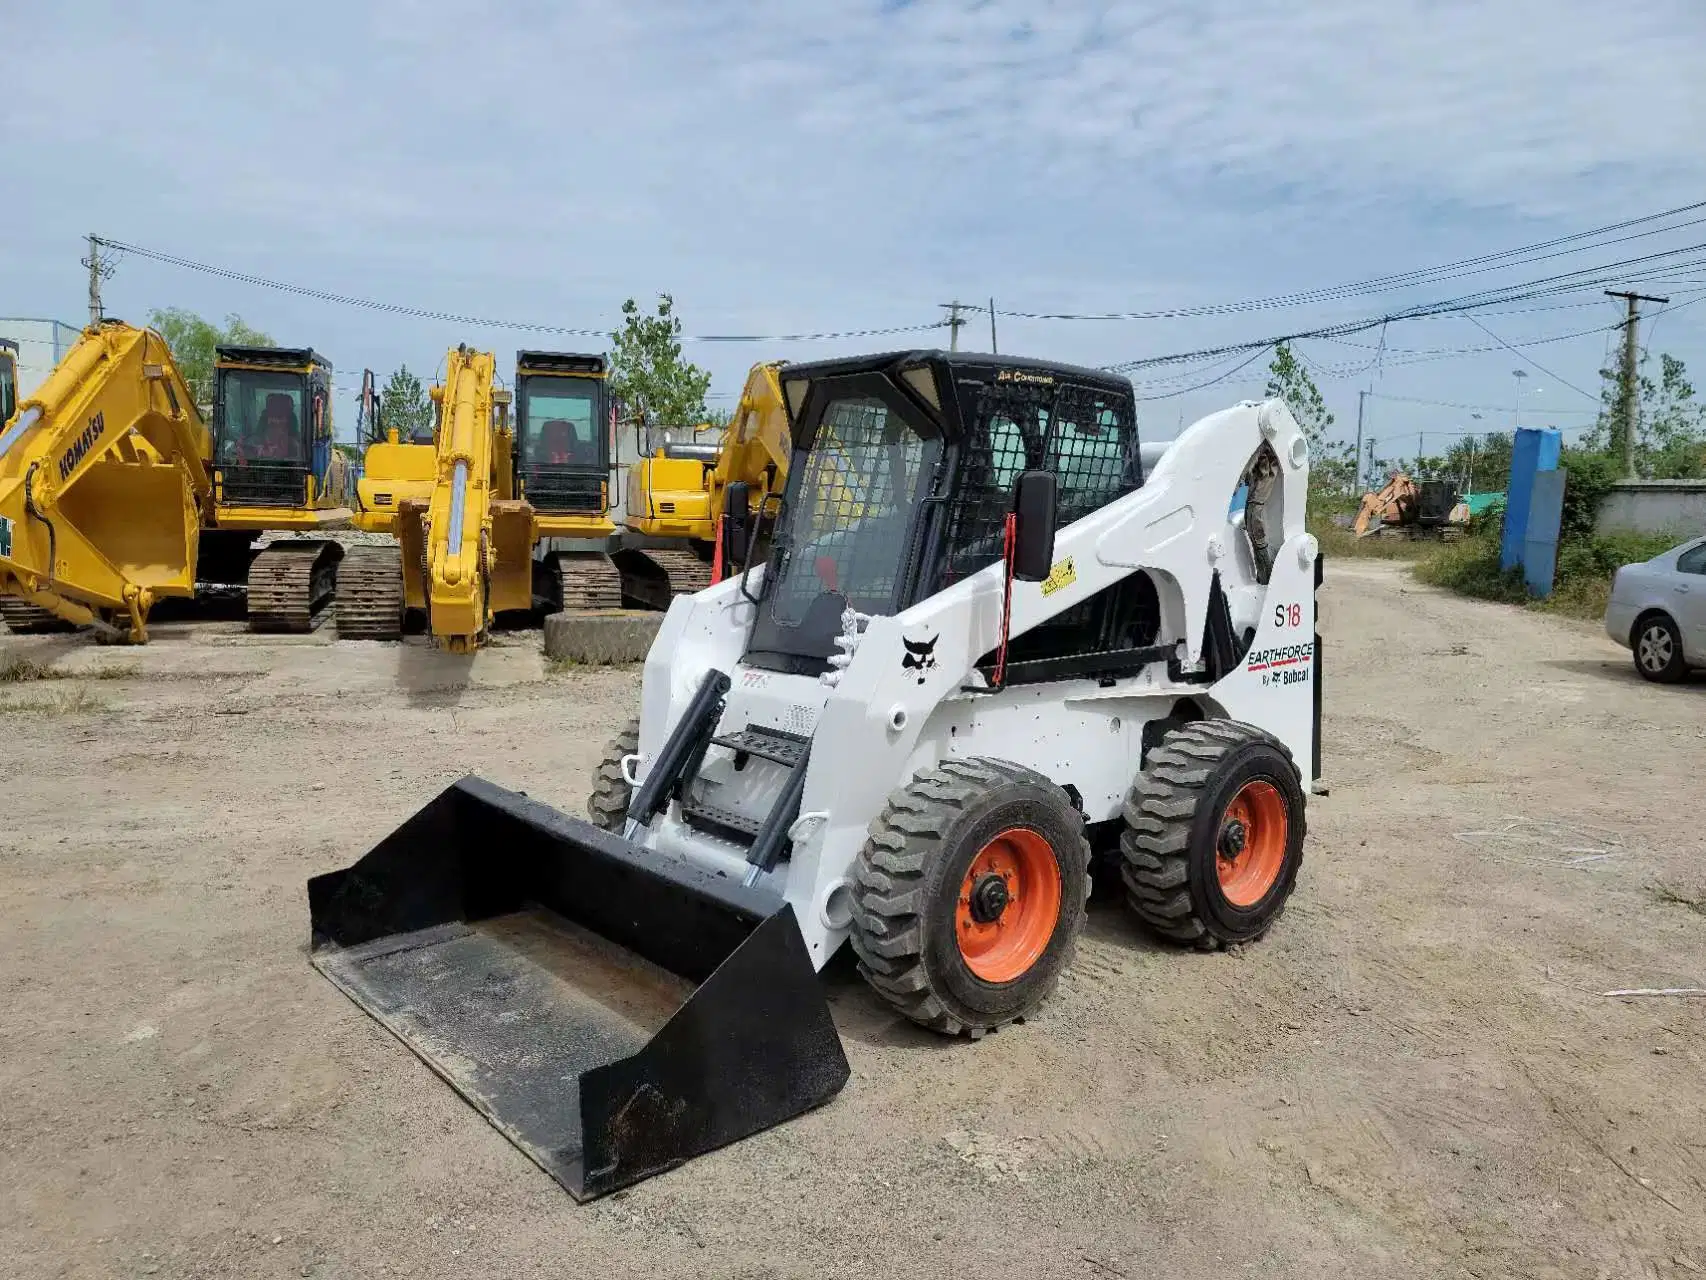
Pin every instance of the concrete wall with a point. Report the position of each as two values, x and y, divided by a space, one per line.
1654 506
41 344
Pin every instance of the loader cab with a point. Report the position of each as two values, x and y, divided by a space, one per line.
562 432
8 380
904 470
272 424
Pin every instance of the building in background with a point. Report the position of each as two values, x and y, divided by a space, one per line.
41 345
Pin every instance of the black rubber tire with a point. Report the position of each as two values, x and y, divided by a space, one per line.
906 890
1173 813
607 806
1658 626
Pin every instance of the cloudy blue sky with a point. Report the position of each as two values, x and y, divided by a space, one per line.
809 165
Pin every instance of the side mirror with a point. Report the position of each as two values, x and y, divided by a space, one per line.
1033 543
736 516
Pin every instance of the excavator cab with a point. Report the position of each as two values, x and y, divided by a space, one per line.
562 446
275 471
8 380
272 423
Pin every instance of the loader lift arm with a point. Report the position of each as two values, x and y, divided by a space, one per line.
104 484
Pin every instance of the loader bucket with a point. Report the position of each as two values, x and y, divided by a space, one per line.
525 956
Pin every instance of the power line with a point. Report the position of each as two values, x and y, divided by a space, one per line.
1381 284
423 313
1530 359
1507 293
1473 408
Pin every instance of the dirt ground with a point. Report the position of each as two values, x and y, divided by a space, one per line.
1415 1074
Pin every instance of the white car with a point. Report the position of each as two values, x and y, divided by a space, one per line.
1658 611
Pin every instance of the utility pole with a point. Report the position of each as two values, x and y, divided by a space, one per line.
1631 360
1371 476
1357 483
955 320
993 349
98 270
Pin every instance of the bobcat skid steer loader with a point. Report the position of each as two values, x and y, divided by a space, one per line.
984 642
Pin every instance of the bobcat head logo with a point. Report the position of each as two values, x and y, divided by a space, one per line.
920 655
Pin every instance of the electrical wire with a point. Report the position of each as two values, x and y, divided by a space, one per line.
1529 359
1382 284
395 308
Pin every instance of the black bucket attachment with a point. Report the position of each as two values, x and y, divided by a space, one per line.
525 956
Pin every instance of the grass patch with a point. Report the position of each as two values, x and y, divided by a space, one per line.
1581 586
561 666
20 670
65 702
1340 544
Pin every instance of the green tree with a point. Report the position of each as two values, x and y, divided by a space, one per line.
1290 381
1670 424
192 341
647 373
405 405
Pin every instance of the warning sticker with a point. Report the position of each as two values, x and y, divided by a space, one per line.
1063 574
5 536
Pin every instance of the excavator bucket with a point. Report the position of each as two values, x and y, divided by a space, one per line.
611 1012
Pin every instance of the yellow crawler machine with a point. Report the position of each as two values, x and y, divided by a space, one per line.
464 544
104 486
394 471
275 471
18 615
562 471
688 492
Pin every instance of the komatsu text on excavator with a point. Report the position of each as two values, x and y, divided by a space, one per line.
990 644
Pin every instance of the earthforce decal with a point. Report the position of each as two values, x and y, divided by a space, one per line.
5 536
80 447
920 655
1063 574
1284 664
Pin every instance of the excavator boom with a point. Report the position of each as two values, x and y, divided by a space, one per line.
448 548
104 483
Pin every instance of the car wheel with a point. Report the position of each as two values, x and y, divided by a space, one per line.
1658 649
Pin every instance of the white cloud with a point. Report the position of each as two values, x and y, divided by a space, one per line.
788 164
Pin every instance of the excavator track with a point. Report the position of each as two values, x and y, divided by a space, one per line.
687 573
25 619
370 594
291 585
588 580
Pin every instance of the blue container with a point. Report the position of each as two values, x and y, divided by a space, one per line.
1534 449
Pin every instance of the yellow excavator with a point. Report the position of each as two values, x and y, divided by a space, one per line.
394 471
697 493
464 541
275 471
104 486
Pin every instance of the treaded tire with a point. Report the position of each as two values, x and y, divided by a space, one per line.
1169 851
907 884
1657 647
607 806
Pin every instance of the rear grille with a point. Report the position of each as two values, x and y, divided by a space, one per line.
555 489
263 484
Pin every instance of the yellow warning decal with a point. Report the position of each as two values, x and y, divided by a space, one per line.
1063 574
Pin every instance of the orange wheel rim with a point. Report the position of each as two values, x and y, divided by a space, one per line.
1250 846
1009 905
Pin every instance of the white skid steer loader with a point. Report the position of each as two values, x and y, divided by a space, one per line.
987 640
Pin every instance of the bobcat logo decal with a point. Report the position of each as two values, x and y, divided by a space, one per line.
920 655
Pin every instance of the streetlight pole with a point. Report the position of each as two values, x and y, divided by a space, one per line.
1519 375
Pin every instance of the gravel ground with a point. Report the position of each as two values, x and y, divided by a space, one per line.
1415 1074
